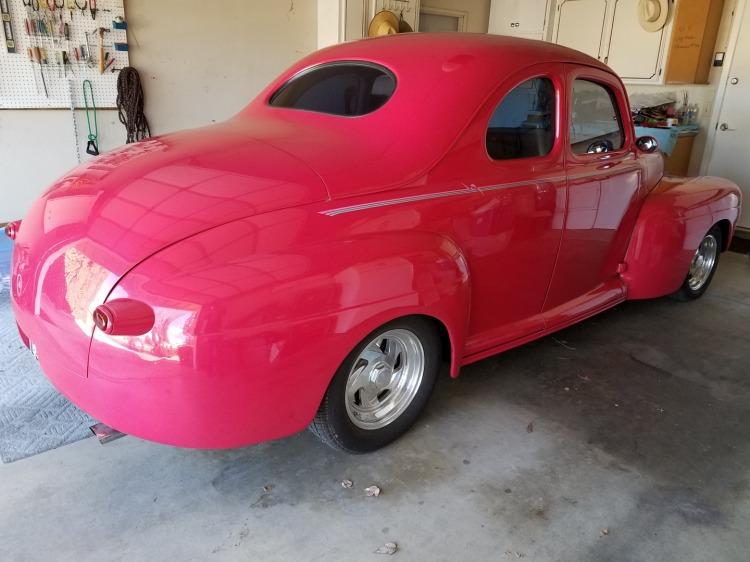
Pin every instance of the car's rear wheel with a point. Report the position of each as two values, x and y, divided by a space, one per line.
381 387
702 267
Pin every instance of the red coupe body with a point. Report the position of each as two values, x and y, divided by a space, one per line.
268 246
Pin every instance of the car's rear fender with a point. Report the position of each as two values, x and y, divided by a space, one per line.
672 222
252 320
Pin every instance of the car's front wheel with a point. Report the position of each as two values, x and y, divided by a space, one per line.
381 387
703 266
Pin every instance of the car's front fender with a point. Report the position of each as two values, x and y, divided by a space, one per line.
253 318
673 220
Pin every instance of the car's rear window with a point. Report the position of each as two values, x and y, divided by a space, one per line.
342 88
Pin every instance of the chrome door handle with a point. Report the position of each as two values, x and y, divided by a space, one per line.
724 127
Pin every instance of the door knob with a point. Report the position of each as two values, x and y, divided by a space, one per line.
724 127
734 81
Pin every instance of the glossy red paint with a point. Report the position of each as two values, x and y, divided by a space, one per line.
673 221
268 246
124 317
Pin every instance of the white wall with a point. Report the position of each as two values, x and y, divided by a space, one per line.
37 146
331 27
200 62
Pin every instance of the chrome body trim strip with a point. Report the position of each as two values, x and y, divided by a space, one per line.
397 201
468 190
498 186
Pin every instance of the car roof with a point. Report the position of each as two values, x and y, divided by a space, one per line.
435 55
406 50
442 81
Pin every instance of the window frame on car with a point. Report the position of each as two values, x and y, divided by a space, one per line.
321 66
502 92
555 119
611 83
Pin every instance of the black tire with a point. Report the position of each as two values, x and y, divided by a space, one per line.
332 423
687 292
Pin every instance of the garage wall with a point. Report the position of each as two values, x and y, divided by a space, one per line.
479 11
199 63
37 146
702 94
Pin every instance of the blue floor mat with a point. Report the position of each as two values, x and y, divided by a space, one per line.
34 417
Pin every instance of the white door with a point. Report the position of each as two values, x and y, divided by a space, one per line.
731 146
634 53
519 18
580 25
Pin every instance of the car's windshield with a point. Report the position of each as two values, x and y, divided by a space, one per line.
341 88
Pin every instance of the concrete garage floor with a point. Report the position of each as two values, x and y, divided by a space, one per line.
637 422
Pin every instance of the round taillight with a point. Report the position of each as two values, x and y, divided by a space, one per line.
12 228
124 317
101 319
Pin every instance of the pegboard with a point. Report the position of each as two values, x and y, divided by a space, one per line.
21 84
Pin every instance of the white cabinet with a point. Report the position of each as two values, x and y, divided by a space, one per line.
634 53
519 18
609 30
580 25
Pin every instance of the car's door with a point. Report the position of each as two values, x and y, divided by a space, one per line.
604 187
512 238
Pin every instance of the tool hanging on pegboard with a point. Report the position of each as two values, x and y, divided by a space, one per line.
59 40
91 146
10 41
35 55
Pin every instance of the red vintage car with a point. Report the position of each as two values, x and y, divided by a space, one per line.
382 207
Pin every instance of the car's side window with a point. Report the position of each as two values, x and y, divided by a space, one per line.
523 124
595 123
340 88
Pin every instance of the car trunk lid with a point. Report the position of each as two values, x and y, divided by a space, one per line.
111 213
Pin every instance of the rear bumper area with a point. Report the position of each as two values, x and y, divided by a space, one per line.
173 401
60 351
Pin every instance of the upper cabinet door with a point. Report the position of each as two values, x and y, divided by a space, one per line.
580 25
634 53
519 18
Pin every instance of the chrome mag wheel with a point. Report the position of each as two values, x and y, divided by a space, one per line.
384 379
381 387
703 262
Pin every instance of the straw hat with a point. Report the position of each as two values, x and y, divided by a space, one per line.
652 14
385 22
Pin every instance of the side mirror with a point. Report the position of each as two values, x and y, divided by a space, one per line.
599 147
647 144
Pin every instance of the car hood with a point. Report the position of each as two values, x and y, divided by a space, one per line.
127 204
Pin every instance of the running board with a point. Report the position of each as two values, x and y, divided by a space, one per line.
105 434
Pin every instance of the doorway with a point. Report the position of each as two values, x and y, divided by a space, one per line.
729 143
438 19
